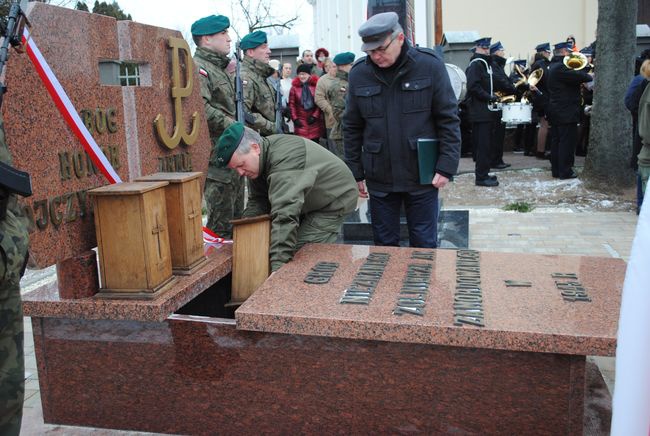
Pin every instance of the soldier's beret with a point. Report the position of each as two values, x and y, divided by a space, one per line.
496 47
374 31
253 40
344 58
563 44
545 46
483 42
210 25
228 143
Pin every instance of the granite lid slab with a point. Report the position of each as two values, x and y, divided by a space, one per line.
521 317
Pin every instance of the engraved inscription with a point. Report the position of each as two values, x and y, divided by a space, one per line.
468 297
423 255
321 273
570 287
415 287
365 281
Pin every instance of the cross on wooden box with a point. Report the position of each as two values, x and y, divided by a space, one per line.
183 198
132 239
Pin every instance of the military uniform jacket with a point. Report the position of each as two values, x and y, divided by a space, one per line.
478 89
14 238
297 177
259 95
321 99
218 95
336 92
564 88
383 121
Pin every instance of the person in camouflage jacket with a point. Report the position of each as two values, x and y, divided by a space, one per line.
259 95
335 93
224 188
14 242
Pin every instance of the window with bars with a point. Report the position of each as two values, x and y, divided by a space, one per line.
129 74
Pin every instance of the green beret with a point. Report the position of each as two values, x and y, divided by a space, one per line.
253 40
228 143
210 25
344 58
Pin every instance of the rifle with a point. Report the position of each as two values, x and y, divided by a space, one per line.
12 181
16 21
240 113
280 125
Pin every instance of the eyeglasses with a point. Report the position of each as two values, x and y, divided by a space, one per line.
382 49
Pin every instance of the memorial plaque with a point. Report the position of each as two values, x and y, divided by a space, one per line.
151 61
420 301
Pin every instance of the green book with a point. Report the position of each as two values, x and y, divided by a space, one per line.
427 159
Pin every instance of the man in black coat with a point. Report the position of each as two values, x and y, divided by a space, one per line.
503 85
397 95
480 95
541 98
564 86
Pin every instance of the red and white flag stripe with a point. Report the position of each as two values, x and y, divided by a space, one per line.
67 110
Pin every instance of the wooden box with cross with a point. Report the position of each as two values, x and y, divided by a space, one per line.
183 197
132 239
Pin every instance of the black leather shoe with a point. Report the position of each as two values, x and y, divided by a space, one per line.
487 182
501 166
570 176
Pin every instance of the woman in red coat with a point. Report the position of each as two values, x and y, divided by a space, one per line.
307 117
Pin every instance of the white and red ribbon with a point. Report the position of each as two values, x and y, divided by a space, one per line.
70 115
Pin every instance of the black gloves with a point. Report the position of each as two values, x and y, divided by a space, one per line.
297 123
311 120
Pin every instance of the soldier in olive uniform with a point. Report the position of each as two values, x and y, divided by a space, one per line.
14 241
259 95
335 95
306 189
224 188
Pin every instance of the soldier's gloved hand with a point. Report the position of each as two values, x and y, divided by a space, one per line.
311 120
249 118
297 123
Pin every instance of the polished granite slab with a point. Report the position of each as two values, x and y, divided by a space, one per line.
46 301
516 317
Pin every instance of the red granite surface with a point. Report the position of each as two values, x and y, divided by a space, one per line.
73 42
46 301
78 276
203 377
516 318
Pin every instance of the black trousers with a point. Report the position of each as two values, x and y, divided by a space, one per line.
421 218
496 143
563 147
481 138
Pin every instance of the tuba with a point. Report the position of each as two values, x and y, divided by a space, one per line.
575 61
535 77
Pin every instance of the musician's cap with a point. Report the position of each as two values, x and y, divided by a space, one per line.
253 40
545 46
228 143
520 62
587 51
344 58
563 44
374 31
483 42
210 25
496 47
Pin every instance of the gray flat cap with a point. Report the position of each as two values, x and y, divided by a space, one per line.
374 31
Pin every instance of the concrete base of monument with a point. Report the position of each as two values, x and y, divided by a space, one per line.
297 359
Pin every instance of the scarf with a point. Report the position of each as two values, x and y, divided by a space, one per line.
307 98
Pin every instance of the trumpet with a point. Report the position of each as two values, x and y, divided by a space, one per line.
575 61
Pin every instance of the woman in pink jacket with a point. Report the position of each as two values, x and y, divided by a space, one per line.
307 117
